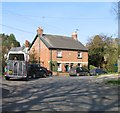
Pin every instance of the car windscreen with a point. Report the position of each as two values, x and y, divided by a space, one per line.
79 69
19 57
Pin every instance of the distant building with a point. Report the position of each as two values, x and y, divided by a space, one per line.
66 52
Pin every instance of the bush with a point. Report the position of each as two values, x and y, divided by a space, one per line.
54 66
91 67
112 68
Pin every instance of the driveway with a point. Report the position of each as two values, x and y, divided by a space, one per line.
62 93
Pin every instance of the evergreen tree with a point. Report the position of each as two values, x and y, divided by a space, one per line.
8 41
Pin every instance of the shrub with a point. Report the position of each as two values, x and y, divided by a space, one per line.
91 67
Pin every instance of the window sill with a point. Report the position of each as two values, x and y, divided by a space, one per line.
59 57
79 57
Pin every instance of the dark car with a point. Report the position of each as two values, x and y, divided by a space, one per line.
97 71
48 72
35 71
79 71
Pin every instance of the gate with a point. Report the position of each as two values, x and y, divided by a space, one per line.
17 68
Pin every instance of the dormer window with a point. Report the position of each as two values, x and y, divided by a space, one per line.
79 54
59 54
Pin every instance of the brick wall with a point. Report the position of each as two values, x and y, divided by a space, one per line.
67 56
70 56
35 46
44 53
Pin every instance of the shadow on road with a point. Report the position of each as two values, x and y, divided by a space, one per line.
62 96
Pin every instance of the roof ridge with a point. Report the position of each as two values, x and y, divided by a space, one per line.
57 35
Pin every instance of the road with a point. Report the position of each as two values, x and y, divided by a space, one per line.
59 94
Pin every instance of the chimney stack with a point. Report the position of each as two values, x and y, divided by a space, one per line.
40 31
74 35
27 44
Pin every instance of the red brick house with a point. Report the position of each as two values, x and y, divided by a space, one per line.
65 51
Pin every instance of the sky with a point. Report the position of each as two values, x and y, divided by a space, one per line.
59 18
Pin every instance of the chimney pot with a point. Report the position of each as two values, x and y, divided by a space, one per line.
26 43
40 31
74 35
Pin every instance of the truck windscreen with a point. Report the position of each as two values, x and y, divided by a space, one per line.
19 57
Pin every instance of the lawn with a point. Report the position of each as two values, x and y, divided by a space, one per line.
114 82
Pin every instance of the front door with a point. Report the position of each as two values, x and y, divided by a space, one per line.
59 67
66 67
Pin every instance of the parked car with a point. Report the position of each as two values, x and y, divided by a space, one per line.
97 71
79 71
48 72
35 71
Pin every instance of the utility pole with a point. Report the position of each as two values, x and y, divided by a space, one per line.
51 60
118 12
118 63
39 48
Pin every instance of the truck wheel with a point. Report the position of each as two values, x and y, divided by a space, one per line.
27 78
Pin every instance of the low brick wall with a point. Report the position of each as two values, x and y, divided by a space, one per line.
60 74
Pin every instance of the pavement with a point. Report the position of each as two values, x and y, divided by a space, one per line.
116 76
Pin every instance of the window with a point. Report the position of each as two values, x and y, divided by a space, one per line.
19 57
71 65
79 65
79 54
59 67
59 54
66 66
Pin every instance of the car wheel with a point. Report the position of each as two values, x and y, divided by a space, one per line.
44 75
90 74
7 78
50 74
97 74
34 76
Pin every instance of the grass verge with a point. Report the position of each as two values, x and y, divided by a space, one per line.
114 82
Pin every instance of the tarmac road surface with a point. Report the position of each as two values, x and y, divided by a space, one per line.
61 93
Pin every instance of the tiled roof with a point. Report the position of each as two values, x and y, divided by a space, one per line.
61 42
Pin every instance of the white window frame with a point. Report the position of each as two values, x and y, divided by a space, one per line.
80 54
59 53
59 67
